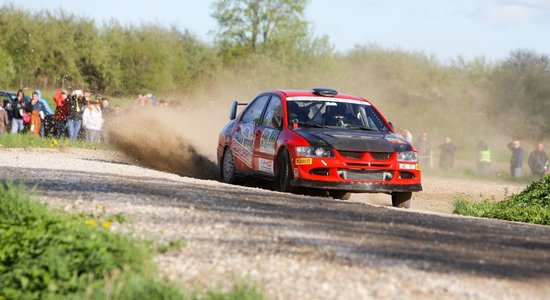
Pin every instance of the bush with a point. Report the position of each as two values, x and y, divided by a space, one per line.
532 205
45 254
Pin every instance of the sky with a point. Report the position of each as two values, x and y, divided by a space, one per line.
445 29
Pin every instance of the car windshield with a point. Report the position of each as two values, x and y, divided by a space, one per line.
343 113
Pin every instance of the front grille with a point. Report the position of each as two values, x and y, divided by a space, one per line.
351 154
367 175
381 155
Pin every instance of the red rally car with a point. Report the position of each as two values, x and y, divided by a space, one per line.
318 139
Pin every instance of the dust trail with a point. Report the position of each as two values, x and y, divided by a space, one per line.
163 139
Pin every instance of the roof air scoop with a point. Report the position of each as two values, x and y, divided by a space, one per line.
326 92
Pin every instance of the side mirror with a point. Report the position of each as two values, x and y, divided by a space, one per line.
391 125
233 110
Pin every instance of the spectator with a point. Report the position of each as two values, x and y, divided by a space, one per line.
424 151
538 161
4 120
107 113
117 111
447 156
47 111
92 120
19 106
483 158
61 112
74 121
37 114
516 161
407 135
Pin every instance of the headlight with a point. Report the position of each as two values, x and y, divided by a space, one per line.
410 156
313 152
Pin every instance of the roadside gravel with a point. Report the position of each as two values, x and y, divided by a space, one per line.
292 247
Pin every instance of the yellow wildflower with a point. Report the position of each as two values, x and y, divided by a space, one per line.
90 222
107 224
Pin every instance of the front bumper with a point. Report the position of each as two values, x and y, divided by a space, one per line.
359 187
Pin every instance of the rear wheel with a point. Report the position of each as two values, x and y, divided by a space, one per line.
341 195
284 175
402 200
228 167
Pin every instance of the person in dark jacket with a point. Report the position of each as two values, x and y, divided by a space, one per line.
538 161
77 104
516 161
447 156
19 105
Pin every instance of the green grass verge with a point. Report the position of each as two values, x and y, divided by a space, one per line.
532 205
46 254
23 140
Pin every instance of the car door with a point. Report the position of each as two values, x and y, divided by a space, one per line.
265 136
243 139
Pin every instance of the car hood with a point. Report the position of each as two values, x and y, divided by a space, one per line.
354 139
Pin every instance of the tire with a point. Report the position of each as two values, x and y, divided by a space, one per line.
284 174
340 195
227 167
402 200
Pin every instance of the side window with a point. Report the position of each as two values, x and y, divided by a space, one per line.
273 117
254 111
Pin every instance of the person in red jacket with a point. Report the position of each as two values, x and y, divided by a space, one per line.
61 112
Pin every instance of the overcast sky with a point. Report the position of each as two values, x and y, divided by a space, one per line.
444 28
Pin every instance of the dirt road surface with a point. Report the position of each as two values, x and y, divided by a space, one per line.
298 247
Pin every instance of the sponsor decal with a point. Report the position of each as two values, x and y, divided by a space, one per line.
409 166
323 162
268 140
243 143
304 161
265 165
296 173
418 167
324 99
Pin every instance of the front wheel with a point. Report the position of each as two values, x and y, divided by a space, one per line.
402 200
228 167
284 175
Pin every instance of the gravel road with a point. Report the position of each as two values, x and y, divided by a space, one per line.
291 246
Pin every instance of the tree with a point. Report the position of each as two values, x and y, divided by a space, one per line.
252 23
521 94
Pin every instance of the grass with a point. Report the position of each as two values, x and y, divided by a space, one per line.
532 205
24 140
48 254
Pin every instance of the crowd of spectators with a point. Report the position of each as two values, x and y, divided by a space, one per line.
78 115
537 161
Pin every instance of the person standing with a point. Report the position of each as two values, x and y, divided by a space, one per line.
47 111
4 120
516 161
19 106
74 121
92 120
483 159
538 161
61 112
37 115
424 151
447 156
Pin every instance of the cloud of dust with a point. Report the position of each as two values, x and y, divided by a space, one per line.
178 141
